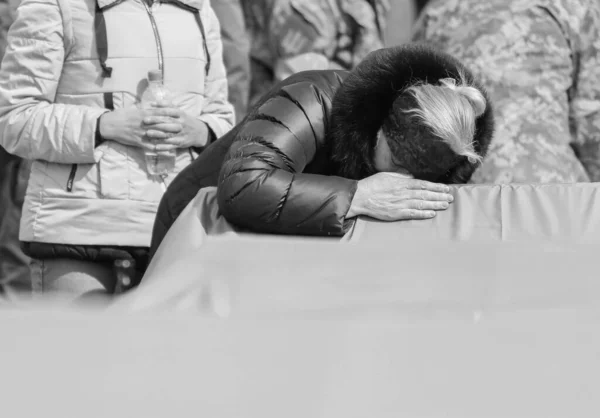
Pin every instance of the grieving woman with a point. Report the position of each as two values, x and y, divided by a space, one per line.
323 147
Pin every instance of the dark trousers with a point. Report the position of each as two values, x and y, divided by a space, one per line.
15 281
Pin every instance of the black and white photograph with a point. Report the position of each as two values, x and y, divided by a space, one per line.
299 208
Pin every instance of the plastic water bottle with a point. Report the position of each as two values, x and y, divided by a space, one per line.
163 162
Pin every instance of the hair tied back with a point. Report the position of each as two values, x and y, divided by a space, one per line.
472 94
449 82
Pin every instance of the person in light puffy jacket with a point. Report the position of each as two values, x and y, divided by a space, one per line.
71 79
326 146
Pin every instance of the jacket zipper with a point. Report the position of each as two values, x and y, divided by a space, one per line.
159 48
71 178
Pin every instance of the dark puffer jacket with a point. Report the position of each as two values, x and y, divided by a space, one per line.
279 143
291 167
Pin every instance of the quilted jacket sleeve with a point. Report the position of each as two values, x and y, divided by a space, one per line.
31 125
262 186
218 112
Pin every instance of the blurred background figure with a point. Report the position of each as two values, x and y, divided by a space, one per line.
14 265
8 10
243 20
236 52
333 19
15 282
540 60
289 36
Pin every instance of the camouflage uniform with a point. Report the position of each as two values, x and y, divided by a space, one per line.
540 60
295 35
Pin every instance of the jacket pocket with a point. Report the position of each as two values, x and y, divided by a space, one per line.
65 180
114 172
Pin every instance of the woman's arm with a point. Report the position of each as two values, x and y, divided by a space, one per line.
262 186
31 125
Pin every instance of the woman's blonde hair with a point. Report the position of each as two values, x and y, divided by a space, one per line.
450 110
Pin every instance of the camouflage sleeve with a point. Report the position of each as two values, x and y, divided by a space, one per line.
368 32
585 102
302 36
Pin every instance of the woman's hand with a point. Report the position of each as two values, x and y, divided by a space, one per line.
190 131
127 126
394 197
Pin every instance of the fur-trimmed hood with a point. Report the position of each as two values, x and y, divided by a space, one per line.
361 105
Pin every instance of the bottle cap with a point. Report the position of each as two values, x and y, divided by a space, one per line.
155 75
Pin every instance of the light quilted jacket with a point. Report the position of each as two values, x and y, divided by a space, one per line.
54 86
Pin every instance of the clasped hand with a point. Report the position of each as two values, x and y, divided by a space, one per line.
160 128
